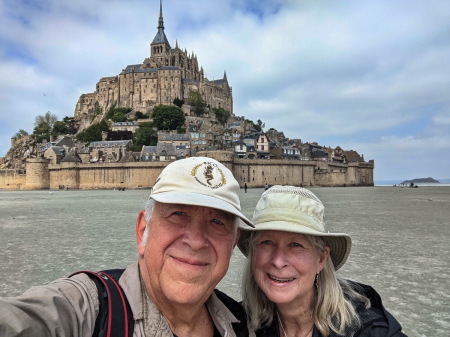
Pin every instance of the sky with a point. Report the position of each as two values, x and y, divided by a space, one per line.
370 76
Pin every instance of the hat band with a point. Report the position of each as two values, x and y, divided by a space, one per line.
286 215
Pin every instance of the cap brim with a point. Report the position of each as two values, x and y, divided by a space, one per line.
197 199
339 243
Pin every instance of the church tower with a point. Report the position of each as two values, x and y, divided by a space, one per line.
160 45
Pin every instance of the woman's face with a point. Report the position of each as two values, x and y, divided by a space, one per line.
284 266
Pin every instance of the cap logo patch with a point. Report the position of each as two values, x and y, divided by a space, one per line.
211 176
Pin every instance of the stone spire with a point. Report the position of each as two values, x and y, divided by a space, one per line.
161 20
160 38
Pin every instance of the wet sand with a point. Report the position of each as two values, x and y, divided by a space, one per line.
401 242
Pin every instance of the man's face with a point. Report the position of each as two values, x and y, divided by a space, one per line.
187 252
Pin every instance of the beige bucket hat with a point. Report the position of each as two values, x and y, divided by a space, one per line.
297 210
199 181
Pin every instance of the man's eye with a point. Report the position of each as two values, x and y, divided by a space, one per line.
180 213
220 228
218 222
296 244
265 242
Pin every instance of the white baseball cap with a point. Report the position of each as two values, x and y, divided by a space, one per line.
199 181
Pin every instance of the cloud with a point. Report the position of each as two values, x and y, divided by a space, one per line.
365 75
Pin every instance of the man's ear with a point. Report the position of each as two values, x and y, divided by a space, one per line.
141 224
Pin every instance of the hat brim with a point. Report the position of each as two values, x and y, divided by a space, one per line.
198 199
339 243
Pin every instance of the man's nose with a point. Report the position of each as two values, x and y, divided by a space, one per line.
195 234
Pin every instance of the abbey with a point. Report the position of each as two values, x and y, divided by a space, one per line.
168 74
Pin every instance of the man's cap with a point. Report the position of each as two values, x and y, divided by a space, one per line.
297 210
199 181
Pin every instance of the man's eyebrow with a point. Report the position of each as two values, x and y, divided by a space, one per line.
168 206
221 213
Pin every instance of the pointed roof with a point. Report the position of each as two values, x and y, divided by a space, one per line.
70 158
160 35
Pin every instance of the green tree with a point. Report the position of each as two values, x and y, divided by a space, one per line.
222 115
117 113
59 128
21 133
65 127
48 118
41 132
43 125
167 117
140 115
93 133
178 102
119 117
144 136
196 101
71 125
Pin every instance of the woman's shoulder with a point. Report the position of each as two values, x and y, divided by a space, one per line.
376 321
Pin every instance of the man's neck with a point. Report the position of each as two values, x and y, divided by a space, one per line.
186 323
184 320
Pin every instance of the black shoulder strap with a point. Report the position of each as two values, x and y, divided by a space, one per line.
114 318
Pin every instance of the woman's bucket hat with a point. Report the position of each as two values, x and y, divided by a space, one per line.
297 210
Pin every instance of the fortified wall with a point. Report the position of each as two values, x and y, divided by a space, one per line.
40 174
12 180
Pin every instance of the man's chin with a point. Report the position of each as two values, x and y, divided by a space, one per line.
187 293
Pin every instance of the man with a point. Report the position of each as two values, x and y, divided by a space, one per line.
185 239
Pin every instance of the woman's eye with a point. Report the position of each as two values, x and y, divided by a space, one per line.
266 242
178 213
296 244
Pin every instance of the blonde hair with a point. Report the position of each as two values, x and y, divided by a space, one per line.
332 308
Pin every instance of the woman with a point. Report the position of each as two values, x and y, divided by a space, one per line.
290 287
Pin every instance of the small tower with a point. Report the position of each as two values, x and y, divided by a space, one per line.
160 44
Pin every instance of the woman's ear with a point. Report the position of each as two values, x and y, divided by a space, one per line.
323 258
141 225
238 234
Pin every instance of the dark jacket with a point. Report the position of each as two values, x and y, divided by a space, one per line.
375 321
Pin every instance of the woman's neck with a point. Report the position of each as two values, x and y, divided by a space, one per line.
295 321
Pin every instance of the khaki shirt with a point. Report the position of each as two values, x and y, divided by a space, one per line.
68 307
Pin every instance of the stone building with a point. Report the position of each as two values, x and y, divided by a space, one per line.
168 73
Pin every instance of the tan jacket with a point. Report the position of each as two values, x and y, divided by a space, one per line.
68 308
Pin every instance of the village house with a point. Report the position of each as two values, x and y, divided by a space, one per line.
290 152
125 126
109 151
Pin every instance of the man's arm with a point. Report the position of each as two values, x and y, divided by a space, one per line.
65 307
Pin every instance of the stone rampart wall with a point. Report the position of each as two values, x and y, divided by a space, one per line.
258 172
12 180
105 175
254 172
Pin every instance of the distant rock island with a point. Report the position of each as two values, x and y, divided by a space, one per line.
420 181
